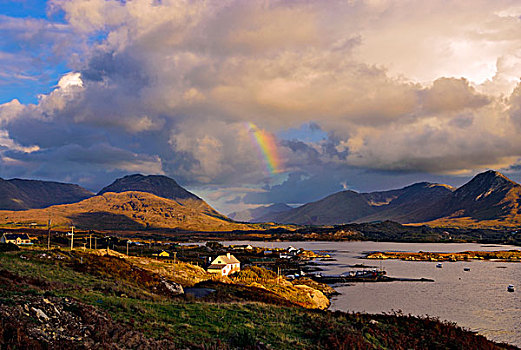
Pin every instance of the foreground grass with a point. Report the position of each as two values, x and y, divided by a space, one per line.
131 298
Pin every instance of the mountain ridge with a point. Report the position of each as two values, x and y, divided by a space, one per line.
490 198
22 194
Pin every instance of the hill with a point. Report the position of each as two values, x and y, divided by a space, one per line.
18 194
129 210
60 299
259 214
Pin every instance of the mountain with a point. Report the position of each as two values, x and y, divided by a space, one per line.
413 202
133 202
159 185
490 199
130 210
258 214
18 194
338 208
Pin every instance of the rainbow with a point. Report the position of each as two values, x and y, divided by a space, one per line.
267 147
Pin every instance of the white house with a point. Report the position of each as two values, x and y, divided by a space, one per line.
16 238
224 265
241 247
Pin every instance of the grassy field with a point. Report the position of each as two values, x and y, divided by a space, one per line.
113 301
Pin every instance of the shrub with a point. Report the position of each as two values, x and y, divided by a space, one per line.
8 247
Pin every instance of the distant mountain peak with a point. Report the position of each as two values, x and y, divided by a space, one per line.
485 183
493 175
160 185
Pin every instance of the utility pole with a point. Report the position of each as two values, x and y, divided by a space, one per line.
49 234
127 246
90 241
175 255
72 237
96 243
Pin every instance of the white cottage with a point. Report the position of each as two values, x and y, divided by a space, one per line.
224 265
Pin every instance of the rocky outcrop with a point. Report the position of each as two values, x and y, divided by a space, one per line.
173 287
38 322
315 298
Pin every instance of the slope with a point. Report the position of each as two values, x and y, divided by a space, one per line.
338 208
18 194
418 202
129 210
258 214
159 185
489 199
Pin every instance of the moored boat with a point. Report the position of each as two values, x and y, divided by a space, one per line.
510 288
439 265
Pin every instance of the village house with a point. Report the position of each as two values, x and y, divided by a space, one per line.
162 254
241 247
16 238
293 251
224 265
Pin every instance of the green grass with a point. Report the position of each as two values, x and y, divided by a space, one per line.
187 322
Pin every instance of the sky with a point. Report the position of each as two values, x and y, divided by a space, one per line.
248 103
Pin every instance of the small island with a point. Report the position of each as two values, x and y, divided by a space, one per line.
500 255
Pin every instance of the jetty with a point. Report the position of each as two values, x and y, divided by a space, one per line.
363 276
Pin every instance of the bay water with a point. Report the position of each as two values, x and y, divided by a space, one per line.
476 300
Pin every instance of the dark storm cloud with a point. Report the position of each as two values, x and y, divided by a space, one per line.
172 87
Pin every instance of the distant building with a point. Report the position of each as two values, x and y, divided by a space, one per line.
162 254
16 238
241 247
293 251
223 265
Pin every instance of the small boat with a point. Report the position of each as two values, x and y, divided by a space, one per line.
510 288
466 269
439 265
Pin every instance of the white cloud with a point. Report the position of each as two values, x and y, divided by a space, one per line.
70 81
397 85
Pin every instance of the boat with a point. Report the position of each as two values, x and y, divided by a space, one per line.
510 288
466 269
439 265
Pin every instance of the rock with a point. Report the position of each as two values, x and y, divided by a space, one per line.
173 287
80 326
40 314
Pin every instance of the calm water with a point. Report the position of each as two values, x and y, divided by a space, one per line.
476 300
